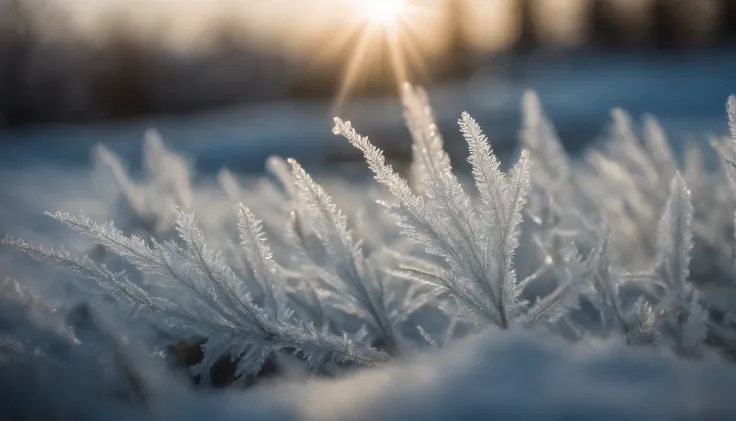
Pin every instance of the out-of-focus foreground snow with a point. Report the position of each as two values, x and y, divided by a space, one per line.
504 376
500 376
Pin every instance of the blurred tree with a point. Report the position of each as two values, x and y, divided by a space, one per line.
121 78
458 60
18 40
528 39
727 21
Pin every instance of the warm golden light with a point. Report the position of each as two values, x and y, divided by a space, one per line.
393 35
376 42
382 12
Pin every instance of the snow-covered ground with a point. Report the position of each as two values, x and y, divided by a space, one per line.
494 375
506 377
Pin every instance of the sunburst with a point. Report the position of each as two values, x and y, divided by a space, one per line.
397 29
382 12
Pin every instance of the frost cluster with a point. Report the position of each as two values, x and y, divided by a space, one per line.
629 243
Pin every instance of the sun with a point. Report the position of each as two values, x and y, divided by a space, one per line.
382 12
389 37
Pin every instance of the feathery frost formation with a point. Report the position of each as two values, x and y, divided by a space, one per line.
478 245
215 302
630 242
148 207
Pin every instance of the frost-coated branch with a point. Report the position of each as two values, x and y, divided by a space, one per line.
478 245
354 276
223 309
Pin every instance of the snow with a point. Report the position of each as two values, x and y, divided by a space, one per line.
498 374
501 376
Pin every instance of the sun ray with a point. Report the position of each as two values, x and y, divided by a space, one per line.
402 32
411 49
338 44
353 69
397 60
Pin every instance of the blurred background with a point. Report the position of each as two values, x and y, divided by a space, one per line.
271 73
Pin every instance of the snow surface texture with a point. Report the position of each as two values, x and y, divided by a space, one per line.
508 377
600 288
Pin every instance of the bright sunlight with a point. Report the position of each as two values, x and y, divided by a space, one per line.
382 12
395 30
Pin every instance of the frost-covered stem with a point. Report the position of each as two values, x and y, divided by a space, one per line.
392 346
331 226
502 314
617 313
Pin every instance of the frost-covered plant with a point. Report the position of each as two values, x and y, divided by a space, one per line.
334 277
361 288
555 206
628 180
619 233
630 197
477 244
721 297
148 208
62 359
286 216
195 287
347 272
557 213
610 294
634 178
679 307
673 310
273 196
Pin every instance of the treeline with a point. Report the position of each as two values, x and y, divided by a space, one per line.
50 73
597 26
643 24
